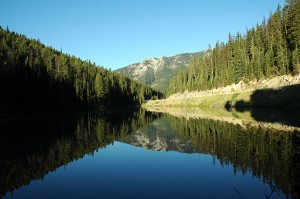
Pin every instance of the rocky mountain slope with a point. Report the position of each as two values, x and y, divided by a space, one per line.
157 72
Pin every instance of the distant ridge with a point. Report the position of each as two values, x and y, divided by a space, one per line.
157 72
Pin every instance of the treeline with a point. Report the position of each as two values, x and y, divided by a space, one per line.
36 77
272 156
269 49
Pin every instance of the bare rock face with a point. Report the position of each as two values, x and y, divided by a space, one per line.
157 72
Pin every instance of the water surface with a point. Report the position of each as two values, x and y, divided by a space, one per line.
145 155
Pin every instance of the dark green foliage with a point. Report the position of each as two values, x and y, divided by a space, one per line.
35 77
296 60
270 49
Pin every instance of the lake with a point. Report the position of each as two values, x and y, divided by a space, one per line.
141 154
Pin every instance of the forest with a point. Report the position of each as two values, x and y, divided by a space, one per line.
269 49
36 77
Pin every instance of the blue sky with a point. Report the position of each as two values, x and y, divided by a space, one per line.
115 33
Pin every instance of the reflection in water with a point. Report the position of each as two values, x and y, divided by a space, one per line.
159 136
31 148
270 155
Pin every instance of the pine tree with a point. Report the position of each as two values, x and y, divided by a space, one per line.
296 61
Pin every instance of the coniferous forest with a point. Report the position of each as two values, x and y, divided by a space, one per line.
36 77
269 49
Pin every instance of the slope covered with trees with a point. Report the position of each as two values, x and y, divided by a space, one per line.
269 49
36 77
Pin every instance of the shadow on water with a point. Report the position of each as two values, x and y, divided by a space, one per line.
272 105
32 147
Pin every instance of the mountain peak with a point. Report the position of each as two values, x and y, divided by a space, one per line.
157 72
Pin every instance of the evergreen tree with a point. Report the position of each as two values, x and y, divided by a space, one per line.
296 60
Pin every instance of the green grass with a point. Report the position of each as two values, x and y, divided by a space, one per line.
283 97
215 101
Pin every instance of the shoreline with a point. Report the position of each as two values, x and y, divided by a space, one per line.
282 92
243 119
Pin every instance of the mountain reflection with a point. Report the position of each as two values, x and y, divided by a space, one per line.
270 155
32 147
159 136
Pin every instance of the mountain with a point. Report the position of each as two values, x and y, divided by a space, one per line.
157 72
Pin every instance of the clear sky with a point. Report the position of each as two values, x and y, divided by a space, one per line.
115 33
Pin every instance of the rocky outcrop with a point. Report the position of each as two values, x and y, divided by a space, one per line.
157 72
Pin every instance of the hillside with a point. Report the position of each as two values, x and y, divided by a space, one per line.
157 72
266 50
34 77
257 69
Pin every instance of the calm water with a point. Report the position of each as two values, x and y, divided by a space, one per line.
145 155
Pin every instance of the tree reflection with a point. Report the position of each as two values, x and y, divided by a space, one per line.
32 147
270 155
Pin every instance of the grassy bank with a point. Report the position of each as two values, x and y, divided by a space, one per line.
218 100
286 97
